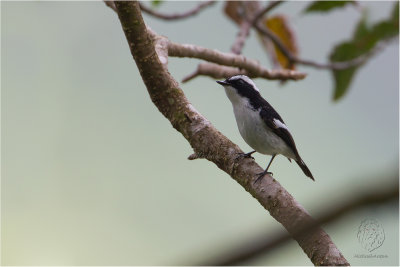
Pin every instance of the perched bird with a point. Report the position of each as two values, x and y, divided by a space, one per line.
259 124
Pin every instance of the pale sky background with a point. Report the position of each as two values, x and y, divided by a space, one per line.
93 174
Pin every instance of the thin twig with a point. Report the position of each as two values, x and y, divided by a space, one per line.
177 16
241 37
268 33
333 65
267 44
245 26
264 11
346 64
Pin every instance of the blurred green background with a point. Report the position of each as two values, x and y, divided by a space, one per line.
93 174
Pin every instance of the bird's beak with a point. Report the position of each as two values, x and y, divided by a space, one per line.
222 83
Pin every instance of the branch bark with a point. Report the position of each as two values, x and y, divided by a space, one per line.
209 143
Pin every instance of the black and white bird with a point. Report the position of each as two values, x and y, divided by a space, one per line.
259 124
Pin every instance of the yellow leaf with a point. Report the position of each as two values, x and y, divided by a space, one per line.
279 25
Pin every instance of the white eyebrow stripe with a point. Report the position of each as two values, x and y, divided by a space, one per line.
246 79
280 124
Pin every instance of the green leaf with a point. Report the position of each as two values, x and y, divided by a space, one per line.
325 6
395 12
343 78
361 28
365 38
156 3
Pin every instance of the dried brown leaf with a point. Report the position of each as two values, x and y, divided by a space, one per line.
236 10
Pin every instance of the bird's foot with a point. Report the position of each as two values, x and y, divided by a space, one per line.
261 175
246 155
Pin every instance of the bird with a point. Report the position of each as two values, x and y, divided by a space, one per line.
259 124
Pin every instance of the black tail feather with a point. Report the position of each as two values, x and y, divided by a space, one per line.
305 169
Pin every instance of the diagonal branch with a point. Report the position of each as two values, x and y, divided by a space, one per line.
209 143
177 16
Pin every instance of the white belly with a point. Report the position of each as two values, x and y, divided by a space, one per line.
257 134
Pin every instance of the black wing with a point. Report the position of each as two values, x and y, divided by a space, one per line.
269 115
273 120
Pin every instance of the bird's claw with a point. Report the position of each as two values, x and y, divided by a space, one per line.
246 155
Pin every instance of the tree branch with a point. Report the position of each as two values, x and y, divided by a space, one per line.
209 143
238 44
177 16
250 67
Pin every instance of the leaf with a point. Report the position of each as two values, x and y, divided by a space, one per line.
279 25
343 78
325 6
365 38
232 10
156 3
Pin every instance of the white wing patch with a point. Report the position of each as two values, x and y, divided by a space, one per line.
246 79
280 124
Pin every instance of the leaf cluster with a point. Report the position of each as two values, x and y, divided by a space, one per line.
365 38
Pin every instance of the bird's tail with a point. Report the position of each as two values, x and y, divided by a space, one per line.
304 167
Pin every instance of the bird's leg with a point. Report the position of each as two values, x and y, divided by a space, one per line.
261 175
247 155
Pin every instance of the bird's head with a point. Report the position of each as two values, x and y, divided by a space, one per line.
239 88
